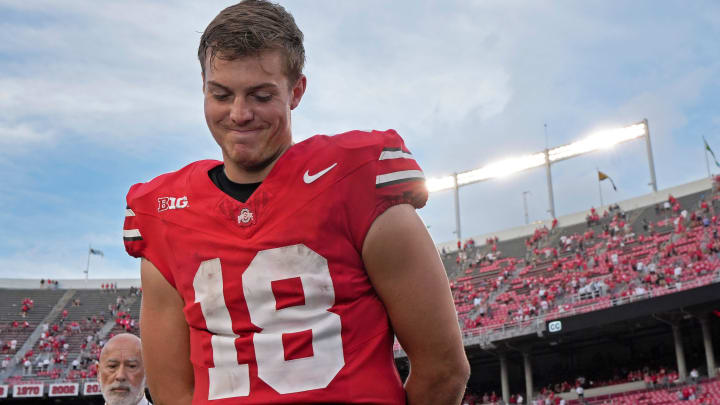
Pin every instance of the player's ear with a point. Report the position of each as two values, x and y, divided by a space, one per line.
297 91
202 76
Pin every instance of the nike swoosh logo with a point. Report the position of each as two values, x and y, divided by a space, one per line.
309 178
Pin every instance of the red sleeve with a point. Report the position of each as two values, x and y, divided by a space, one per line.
393 176
132 238
143 234
398 177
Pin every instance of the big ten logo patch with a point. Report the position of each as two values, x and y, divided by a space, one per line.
172 203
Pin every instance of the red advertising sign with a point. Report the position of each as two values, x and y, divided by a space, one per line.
91 388
28 391
3 391
63 390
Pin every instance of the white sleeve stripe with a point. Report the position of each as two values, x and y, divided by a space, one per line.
131 233
398 176
395 154
129 212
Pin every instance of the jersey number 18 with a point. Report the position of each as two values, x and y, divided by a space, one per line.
228 378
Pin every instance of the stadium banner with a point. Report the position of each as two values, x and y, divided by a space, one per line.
28 391
91 388
3 391
64 390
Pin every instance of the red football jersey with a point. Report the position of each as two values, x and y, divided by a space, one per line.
279 304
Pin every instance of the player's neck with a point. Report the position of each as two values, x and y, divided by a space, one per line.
244 175
241 175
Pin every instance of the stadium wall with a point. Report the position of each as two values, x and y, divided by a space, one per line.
646 200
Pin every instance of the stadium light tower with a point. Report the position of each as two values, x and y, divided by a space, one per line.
525 206
597 141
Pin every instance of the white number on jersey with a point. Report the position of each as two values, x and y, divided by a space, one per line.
230 379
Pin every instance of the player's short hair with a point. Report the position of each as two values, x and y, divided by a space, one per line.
251 27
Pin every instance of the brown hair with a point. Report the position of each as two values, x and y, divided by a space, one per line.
250 27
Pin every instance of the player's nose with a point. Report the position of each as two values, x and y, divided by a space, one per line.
240 111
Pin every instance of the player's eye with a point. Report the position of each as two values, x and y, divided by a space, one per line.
263 97
221 96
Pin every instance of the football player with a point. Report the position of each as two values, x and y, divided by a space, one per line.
283 273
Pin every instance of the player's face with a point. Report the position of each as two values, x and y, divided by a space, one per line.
247 108
121 374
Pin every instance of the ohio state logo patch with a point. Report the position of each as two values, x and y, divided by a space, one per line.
246 217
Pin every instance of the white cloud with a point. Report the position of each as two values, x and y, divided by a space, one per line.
22 133
108 74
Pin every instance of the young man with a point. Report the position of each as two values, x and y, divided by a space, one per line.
281 274
120 372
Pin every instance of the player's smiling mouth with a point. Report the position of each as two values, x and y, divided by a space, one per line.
244 130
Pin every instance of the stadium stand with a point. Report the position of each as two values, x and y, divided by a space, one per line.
578 269
67 331
613 258
18 327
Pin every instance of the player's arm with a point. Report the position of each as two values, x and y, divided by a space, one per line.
165 340
406 271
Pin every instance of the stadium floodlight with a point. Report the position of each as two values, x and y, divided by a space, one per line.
502 168
597 141
493 170
434 184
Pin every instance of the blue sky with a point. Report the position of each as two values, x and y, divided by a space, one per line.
96 98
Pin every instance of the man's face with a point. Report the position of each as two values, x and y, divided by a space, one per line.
247 108
121 372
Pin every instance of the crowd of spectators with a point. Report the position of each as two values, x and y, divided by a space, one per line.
26 305
8 346
607 262
108 287
49 284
